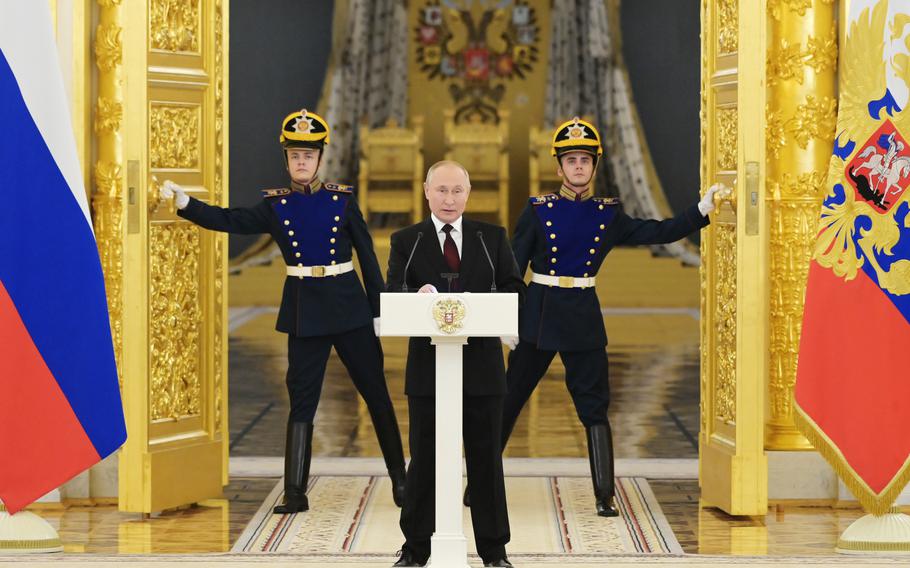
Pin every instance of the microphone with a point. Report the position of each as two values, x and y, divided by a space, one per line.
404 279
490 260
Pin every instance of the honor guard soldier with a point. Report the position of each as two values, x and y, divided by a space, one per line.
317 226
565 237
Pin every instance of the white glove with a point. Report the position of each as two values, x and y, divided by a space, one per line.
706 205
376 326
428 289
510 341
170 190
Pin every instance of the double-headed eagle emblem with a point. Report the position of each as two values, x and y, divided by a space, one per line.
865 220
449 314
476 45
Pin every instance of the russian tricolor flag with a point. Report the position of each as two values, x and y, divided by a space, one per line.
60 408
852 393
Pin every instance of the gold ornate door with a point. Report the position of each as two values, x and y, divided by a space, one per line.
159 114
732 463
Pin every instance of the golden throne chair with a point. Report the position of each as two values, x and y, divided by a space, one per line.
391 169
542 176
483 150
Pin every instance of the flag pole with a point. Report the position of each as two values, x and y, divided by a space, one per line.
877 534
26 533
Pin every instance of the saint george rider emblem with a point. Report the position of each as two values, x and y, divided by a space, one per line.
880 172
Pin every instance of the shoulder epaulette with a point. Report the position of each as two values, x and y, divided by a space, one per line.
541 199
607 200
340 188
275 192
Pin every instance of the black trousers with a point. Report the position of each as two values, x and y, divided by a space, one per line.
586 378
481 430
359 351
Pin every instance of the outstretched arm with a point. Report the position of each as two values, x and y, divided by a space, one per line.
634 231
239 220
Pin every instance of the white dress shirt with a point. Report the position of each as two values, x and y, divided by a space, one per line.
457 235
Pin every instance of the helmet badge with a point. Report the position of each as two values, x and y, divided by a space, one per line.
576 131
303 123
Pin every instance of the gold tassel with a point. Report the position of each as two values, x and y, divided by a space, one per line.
875 503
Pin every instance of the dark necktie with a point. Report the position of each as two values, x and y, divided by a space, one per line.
449 250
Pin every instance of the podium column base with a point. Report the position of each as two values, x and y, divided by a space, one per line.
886 534
448 551
27 533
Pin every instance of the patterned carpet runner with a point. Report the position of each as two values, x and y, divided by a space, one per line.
354 516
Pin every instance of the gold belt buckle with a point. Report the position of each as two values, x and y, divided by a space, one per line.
566 282
318 271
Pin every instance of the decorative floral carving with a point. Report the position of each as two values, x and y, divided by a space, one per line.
175 25
725 145
175 323
108 47
727 26
108 114
725 323
174 137
815 118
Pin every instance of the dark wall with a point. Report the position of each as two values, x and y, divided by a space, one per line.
279 52
662 52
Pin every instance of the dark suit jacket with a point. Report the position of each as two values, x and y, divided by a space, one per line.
569 319
484 371
310 306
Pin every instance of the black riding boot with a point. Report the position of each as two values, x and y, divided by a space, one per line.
600 454
390 443
297 453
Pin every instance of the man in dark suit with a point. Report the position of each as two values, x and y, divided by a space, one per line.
565 237
317 226
447 243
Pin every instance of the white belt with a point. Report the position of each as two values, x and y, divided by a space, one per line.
320 271
562 281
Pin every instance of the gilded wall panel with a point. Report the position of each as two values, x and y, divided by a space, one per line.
726 142
727 26
175 25
175 324
725 322
175 137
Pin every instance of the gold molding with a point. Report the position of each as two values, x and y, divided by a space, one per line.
107 198
220 292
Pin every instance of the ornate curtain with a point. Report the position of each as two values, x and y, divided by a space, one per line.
587 77
368 78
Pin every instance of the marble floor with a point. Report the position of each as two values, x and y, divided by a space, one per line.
654 375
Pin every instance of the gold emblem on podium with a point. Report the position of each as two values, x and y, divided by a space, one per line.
449 314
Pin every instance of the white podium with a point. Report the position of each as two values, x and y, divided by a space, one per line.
448 320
